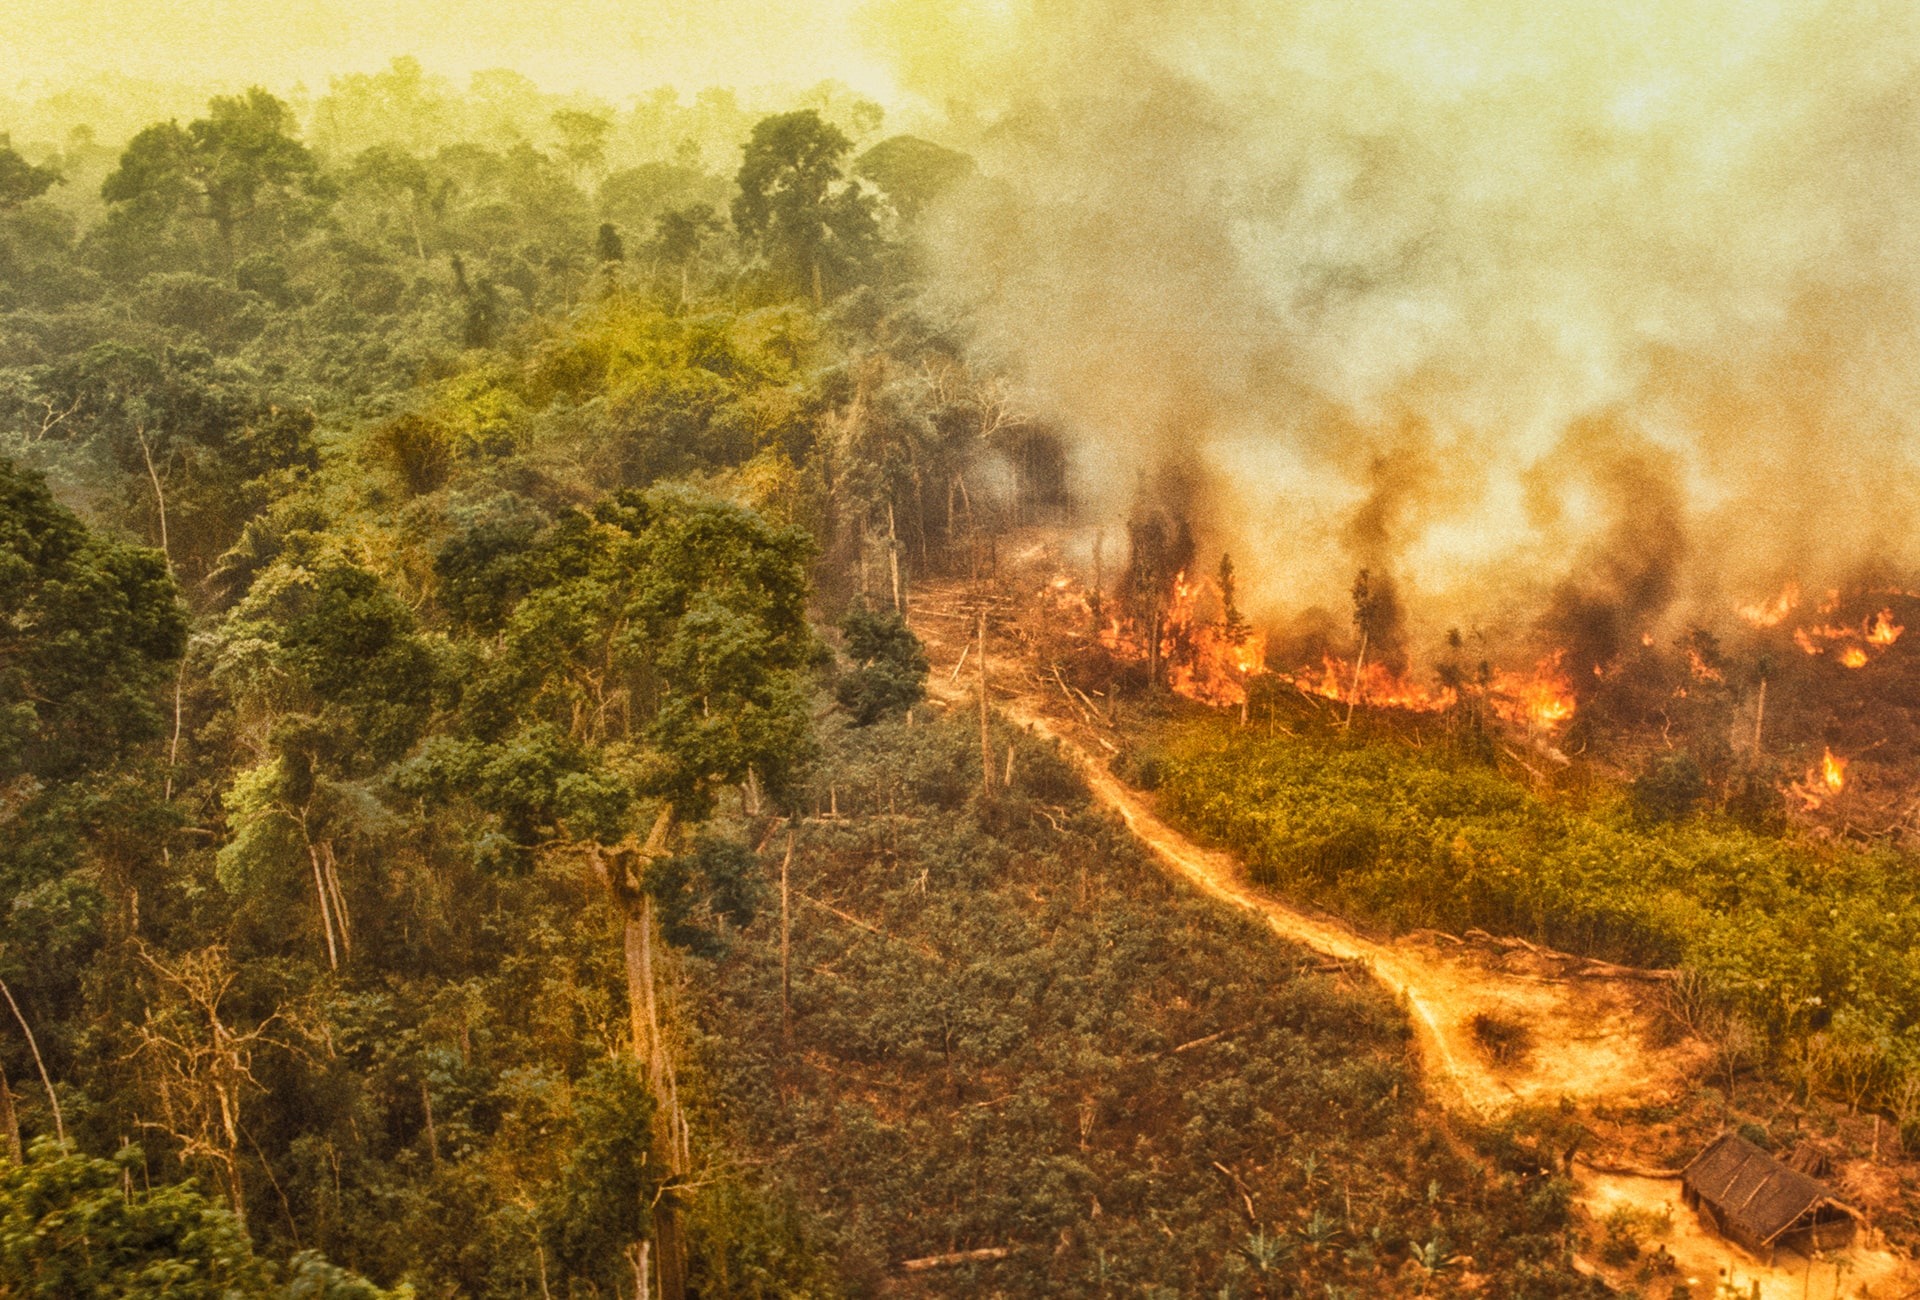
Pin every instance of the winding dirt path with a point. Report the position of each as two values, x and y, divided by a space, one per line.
1593 1032
1591 1037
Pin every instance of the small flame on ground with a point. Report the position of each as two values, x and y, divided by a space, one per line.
1883 631
1880 631
1833 771
1770 613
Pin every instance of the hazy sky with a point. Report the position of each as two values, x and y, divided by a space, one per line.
614 47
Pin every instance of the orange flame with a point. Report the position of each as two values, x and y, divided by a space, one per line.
1205 663
1701 669
1374 684
1770 613
1541 700
1883 631
1880 631
1204 660
1833 771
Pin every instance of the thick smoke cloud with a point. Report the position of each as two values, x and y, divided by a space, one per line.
1535 307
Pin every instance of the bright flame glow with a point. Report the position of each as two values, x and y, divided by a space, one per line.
1770 613
1883 631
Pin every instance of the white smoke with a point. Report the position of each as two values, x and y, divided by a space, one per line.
1434 285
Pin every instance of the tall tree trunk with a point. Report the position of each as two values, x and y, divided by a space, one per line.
46 1080
986 744
638 1255
339 899
10 1119
1359 664
893 562
786 932
413 218
426 1108
326 912
159 496
650 1052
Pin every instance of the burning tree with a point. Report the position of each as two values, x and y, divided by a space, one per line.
1157 559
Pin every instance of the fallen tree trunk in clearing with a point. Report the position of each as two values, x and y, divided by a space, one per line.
1625 1170
985 1255
1580 967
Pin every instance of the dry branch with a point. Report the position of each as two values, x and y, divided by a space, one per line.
1210 1038
953 1259
868 926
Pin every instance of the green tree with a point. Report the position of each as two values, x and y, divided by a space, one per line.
583 140
397 182
200 445
238 166
70 1228
889 665
598 1211
1233 624
913 173
1669 788
332 683
681 236
91 628
659 652
808 222
20 180
73 1227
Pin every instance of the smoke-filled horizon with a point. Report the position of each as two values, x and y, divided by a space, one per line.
1589 305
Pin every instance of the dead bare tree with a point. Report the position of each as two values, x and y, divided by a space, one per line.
197 1061
622 868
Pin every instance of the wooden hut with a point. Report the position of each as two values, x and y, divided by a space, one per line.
1761 1204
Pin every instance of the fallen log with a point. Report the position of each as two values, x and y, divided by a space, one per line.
953 1259
1579 967
1624 1169
1210 1038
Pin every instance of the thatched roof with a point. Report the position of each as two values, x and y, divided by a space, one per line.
1750 1191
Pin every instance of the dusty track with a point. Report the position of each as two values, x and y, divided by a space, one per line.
1591 1038
1591 1034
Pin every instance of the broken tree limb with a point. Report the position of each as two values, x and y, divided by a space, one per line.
868 926
1624 1168
1246 1197
1210 1038
953 1259
1068 695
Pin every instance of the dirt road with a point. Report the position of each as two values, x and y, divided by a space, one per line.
1591 1034
1589 1037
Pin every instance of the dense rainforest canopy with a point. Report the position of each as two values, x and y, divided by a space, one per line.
411 548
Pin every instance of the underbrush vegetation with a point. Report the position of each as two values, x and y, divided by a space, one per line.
1808 952
1009 1032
